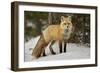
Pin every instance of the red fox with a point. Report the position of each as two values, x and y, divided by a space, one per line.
54 33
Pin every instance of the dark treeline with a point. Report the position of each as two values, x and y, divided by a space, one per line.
35 22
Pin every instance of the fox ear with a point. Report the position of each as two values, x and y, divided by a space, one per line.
70 18
62 18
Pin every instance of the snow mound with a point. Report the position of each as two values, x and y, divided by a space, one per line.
74 51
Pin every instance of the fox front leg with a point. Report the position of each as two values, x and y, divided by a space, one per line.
65 43
60 46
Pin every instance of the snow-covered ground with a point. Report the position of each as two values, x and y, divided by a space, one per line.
74 51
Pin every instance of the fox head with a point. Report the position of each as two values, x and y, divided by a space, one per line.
66 24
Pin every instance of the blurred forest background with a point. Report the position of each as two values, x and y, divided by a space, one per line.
36 22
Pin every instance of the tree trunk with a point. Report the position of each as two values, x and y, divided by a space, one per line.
49 18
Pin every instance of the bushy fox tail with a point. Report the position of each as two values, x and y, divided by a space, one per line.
39 48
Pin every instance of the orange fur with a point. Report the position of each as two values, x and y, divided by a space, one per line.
58 32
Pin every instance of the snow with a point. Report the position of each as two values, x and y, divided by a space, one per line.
74 51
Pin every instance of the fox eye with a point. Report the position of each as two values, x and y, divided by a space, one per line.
64 23
68 23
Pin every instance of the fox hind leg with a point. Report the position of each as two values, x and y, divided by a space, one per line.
50 47
40 47
44 54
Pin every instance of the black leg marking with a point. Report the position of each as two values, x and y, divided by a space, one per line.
44 53
65 46
60 47
50 47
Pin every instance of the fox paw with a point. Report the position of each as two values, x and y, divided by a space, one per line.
53 53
